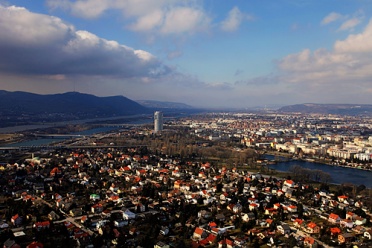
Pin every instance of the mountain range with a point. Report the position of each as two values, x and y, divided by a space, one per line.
70 103
22 108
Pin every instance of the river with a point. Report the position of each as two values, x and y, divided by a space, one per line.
15 129
135 119
339 174
47 141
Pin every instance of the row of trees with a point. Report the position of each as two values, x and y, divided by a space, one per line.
305 175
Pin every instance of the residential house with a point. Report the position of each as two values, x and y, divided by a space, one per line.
298 222
220 217
140 207
289 192
133 231
312 228
368 234
359 220
204 214
334 218
253 206
128 215
229 243
226 243
10 243
289 183
342 198
310 242
199 233
94 197
76 212
120 222
212 225
35 244
208 240
161 244
345 237
16 220
164 230
237 208
284 229
292 209
42 225
97 208
248 216
359 230
346 223
84 219
335 231
53 216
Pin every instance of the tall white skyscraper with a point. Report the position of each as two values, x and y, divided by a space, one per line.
158 121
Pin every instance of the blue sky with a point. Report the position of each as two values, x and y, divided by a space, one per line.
211 53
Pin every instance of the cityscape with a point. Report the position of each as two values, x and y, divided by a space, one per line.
185 124
204 180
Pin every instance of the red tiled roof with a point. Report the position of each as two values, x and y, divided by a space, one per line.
211 237
42 224
198 230
309 240
311 225
299 221
335 230
212 224
35 244
333 216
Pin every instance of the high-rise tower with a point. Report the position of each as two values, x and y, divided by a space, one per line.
158 121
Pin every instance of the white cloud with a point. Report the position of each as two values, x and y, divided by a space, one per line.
20 27
346 68
184 19
85 8
160 16
44 45
148 22
349 24
331 17
233 20
356 43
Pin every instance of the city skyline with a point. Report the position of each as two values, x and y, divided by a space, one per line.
202 53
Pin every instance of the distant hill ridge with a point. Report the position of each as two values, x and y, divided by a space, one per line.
164 105
71 103
341 109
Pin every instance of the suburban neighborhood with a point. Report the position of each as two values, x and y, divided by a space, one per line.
119 195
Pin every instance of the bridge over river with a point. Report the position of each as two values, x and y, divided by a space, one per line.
61 136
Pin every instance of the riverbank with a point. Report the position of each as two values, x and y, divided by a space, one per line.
29 136
338 174
323 161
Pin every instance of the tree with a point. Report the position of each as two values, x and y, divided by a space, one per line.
300 210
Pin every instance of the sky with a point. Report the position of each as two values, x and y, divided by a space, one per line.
205 53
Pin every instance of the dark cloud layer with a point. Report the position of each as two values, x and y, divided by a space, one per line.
39 44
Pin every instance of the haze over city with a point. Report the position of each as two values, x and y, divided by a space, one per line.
209 53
